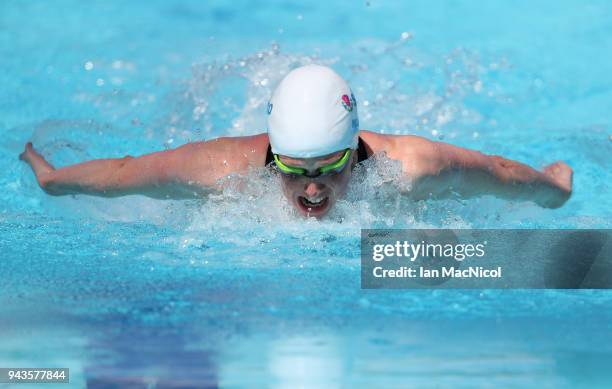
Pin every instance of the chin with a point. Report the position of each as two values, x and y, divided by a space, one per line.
316 209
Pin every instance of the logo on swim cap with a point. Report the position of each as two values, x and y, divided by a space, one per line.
269 107
347 103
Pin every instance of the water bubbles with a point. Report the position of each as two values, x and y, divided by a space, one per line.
100 82
198 111
405 36
299 17
88 65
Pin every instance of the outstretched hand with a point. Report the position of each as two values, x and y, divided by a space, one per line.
37 162
26 155
561 174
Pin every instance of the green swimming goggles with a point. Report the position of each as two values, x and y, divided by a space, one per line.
334 167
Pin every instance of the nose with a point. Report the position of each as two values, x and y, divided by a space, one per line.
312 189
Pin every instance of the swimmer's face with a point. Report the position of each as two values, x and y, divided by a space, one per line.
314 196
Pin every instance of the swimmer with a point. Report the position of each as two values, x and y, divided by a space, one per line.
314 141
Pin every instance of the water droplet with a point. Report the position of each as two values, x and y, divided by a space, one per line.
99 82
89 65
406 35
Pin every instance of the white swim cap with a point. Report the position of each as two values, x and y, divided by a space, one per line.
312 113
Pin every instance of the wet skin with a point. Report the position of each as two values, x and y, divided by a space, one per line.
195 169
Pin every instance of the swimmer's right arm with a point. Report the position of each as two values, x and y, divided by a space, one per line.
186 172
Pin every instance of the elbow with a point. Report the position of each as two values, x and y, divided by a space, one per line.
48 184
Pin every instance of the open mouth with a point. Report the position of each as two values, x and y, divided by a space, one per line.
313 207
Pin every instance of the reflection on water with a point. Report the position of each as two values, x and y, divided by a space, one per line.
393 351
131 356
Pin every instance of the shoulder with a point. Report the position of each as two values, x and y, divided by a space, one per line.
395 143
244 151
206 161
419 156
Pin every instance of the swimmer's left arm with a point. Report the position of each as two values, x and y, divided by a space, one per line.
441 169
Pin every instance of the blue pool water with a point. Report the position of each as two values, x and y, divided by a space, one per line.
235 290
